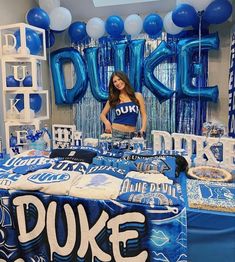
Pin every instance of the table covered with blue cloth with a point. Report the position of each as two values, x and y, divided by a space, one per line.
211 234
39 227
42 220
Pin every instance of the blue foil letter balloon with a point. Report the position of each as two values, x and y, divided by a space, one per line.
186 48
162 52
136 59
97 89
120 56
64 95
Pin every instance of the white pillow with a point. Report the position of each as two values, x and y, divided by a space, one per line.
56 180
100 182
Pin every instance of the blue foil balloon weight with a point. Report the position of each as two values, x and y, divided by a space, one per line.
12 82
33 41
218 12
153 25
77 31
35 101
114 26
38 17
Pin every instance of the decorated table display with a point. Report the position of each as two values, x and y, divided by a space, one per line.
81 204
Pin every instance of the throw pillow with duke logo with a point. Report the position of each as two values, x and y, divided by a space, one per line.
14 168
26 164
163 164
7 178
100 182
139 191
56 180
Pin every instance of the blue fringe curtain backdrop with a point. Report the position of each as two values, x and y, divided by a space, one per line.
174 115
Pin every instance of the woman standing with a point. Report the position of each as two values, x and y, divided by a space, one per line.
127 104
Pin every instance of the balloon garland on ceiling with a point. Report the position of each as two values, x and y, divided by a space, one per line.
179 81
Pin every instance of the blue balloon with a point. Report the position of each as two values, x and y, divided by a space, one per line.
114 25
50 38
35 102
33 41
77 31
184 15
153 25
63 95
136 58
186 48
218 12
162 52
98 90
120 56
38 17
12 82
28 82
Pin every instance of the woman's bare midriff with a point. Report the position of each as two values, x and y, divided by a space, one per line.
123 128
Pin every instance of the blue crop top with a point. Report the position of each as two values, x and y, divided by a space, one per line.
126 113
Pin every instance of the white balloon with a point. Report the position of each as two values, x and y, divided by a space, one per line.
60 18
133 24
49 5
198 5
169 25
95 27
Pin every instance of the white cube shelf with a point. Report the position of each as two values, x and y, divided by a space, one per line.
25 106
22 41
19 132
23 75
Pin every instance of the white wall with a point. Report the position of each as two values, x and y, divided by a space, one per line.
14 11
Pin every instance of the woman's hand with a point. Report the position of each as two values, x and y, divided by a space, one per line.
108 127
142 133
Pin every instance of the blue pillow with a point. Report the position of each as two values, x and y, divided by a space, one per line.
109 170
111 161
138 191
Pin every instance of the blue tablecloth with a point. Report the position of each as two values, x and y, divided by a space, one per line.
211 234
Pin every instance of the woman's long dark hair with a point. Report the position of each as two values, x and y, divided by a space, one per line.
114 92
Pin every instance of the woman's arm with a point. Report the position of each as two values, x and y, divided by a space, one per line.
103 118
142 112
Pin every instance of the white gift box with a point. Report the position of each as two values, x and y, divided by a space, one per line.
19 130
22 41
26 106
21 75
